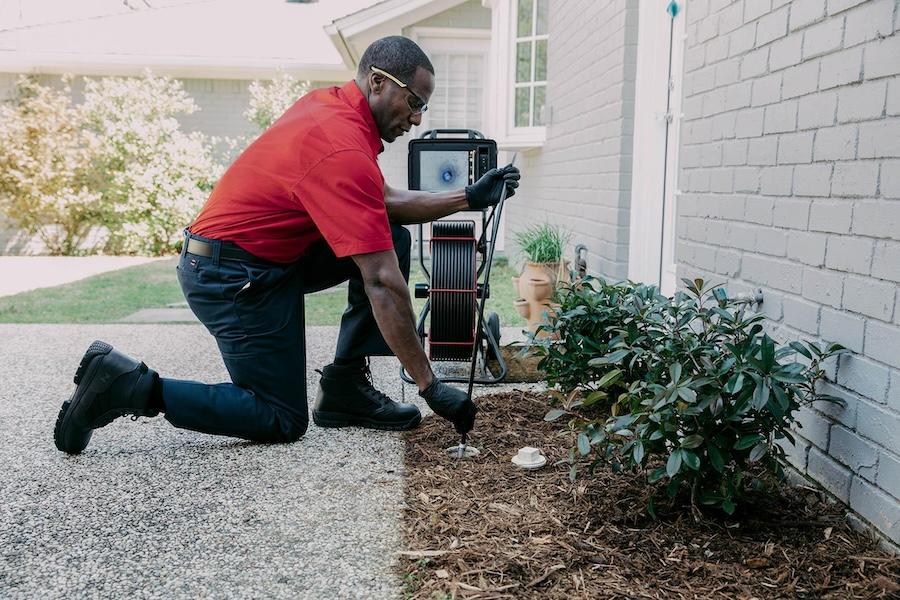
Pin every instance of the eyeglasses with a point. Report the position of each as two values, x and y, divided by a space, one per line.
414 101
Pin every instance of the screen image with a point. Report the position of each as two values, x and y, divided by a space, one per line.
443 170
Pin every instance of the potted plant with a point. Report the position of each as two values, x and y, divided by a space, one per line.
542 246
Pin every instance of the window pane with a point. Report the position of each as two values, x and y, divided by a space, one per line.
542 9
539 97
540 61
522 101
526 7
523 61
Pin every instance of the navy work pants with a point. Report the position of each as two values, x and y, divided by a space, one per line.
255 310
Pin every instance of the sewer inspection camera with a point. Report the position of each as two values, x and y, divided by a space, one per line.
455 299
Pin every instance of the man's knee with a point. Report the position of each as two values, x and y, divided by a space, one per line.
291 429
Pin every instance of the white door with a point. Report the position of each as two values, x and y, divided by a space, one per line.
651 256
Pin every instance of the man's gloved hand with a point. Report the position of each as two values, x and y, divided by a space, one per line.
452 404
487 190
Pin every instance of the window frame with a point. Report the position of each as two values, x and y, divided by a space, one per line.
504 30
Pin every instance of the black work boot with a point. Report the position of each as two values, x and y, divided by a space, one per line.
347 397
110 385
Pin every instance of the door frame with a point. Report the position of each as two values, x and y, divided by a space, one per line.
657 110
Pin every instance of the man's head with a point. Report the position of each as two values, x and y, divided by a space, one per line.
397 79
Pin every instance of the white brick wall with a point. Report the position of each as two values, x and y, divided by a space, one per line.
581 177
813 216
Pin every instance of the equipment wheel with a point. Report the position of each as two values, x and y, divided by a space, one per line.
492 324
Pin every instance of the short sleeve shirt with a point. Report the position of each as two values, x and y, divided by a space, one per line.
312 175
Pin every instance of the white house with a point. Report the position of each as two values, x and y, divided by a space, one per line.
752 142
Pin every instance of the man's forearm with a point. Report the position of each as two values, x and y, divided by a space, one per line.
406 207
396 321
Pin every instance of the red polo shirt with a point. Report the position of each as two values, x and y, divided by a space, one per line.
313 174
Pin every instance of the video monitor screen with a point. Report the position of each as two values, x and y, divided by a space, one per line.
442 170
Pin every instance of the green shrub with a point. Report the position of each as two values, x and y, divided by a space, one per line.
697 392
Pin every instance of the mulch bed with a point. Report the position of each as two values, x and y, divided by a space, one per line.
482 528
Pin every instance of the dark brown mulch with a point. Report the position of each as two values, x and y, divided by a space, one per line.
482 528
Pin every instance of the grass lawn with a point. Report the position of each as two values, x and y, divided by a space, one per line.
110 297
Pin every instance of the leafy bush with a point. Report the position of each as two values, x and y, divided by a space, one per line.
118 161
269 99
542 243
699 387
47 183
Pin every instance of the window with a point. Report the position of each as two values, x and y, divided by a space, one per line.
530 63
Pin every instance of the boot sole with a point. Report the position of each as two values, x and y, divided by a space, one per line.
83 373
334 419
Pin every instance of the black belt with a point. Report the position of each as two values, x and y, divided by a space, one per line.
226 250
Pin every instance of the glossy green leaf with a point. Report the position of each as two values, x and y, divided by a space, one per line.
692 441
758 452
584 444
673 465
747 441
554 414
691 459
715 458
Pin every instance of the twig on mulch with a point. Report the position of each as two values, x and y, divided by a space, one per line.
481 528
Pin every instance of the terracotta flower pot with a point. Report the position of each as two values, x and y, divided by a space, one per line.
535 287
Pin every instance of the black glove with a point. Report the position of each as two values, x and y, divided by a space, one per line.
486 191
452 404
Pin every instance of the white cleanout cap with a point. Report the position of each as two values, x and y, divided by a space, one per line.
529 458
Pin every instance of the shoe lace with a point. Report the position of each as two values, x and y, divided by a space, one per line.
369 389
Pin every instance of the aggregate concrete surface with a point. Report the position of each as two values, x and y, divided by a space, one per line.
151 511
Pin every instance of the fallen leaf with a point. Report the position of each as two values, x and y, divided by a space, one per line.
424 497
442 573
886 584
828 531
422 553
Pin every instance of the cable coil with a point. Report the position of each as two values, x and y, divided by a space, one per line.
453 293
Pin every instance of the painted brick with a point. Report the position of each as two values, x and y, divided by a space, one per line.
883 343
721 180
841 68
734 152
795 453
843 412
772 26
742 40
858 178
804 12
861 102
741 236
759 210
822 38
814 426
754 63
889 473
779 274
853 451
766 90
868 22
781 117
776 181
749 123
871 297
866 378
801 79
876 507
833 476
716 49
831 215
792 213
879 425
824 287
723 126
835 143
738 95
881 57
746 179
890 179
732 207
878 219
772 241
711 155
697 10
727 71
762 151
893 397
801 314
786 52
755 9
817 110
795 148
806 247
893 97
836 6
812 180
886 262
848 253
730 18
843 328
880 139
